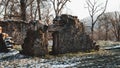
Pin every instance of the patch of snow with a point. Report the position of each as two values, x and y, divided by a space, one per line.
11 54
8 20
112 47
65 65
50 42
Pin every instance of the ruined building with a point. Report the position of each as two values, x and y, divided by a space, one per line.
15 29
67 32
32 36
36 41
69 35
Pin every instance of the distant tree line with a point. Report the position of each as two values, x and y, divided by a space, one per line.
31 9
108 27
108 24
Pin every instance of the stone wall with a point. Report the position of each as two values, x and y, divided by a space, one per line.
69 35
67 31
18 29
15 29
35 43
32 36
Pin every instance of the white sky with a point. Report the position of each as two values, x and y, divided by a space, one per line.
77 7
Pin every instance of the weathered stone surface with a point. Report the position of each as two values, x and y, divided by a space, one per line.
32 36
3 47
67 31
18 29
15 29
36 42
69 35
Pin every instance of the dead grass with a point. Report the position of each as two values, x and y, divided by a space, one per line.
100 52
80 54
106 43
17 47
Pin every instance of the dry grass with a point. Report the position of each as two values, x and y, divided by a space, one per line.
17 47
100 52
106 43
80 54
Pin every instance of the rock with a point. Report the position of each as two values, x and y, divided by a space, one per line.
3 47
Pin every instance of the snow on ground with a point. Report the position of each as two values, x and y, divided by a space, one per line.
13 59
117 46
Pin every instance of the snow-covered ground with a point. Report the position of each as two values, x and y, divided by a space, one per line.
112 47
105 59
14 59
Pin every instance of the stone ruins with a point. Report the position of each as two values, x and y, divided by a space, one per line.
69 35
67 31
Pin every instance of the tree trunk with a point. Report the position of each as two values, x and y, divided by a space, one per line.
31 12
106 33
6 5
92 31
38 6
23 10
5 13
118 37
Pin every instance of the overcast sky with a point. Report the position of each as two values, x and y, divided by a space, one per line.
77 7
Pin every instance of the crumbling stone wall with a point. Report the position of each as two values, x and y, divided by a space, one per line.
32 36
35 43
18 29
67 31
15 29
69 35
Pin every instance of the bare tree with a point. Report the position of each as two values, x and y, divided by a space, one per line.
116 25
9 8
95 9
6 5
58 5
105 24
24 4
39 3
17 9
38 6
23 9
31 11
46 13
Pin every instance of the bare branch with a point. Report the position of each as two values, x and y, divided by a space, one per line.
58 5
101 12
31 1
93 9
